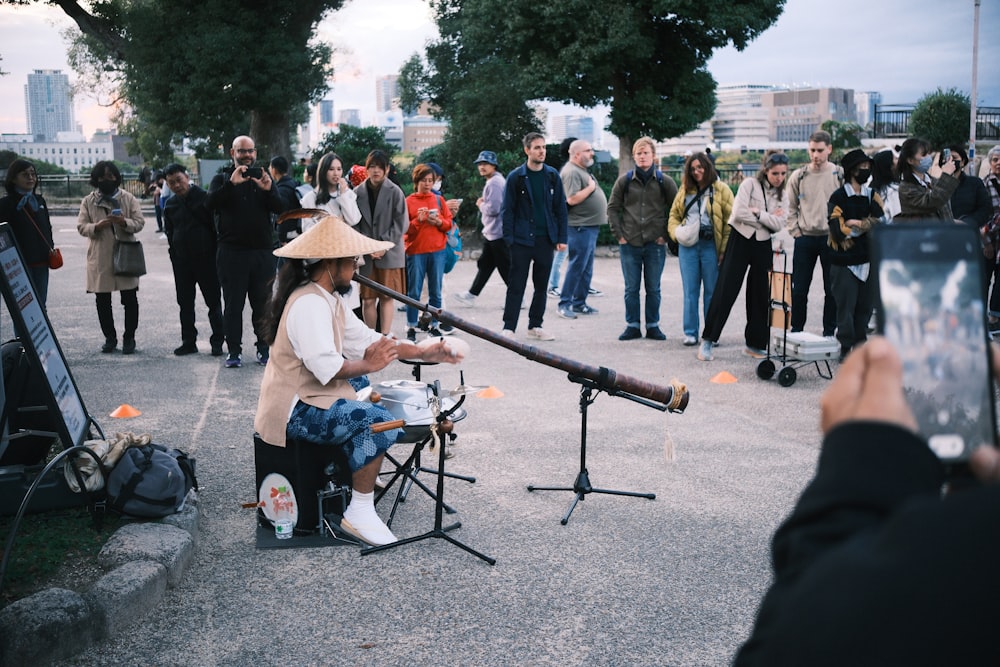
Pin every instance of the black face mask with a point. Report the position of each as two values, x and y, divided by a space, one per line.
107 187
863 175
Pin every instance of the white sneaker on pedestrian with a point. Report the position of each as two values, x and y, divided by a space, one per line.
507 333
467 299
705 351
540 334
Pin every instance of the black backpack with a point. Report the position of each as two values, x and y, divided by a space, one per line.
672 245
150 481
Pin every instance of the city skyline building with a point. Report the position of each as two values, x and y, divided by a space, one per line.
48 104
386 92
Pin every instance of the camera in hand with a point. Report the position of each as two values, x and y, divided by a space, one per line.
253 172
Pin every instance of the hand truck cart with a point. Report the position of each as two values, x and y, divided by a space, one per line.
792 350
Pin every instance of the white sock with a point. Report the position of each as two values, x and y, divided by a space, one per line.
360 502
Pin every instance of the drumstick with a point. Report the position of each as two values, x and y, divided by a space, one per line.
387 426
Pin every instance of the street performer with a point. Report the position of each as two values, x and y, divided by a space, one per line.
317 346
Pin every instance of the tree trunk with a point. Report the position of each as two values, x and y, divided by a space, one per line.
270 134
625 154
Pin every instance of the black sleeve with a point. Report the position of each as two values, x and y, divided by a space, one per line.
874 567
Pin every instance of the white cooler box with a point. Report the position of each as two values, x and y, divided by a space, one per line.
804 346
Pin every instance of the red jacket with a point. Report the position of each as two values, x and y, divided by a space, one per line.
423 237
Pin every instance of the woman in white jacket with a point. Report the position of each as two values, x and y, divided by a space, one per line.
759 211
332 193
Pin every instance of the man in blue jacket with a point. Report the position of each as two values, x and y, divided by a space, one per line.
534 218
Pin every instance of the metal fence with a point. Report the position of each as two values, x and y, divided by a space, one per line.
893 121
77 186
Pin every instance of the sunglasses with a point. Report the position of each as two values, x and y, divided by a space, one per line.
778 158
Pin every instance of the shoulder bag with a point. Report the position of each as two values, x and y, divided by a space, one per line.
128 258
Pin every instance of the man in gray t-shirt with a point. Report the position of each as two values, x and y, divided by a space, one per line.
588 210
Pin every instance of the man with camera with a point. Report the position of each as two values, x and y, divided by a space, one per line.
243 199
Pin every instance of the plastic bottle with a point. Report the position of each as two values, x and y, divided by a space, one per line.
283 523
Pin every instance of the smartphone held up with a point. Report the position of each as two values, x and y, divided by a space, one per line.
932 308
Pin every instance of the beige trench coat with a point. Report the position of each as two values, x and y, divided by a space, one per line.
100 272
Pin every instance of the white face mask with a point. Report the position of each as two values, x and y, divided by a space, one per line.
437 185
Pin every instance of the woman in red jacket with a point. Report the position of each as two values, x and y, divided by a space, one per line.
425 242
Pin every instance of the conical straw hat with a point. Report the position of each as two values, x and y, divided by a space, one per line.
331 238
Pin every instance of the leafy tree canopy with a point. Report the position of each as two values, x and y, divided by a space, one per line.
645 59
42 168
843 134
942 118
353 144
204 70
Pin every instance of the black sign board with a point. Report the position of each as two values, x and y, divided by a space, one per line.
68 415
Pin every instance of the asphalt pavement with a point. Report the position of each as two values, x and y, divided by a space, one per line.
628 581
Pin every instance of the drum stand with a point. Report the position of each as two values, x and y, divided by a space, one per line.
439 530
581 486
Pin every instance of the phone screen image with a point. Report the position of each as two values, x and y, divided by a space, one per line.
932 307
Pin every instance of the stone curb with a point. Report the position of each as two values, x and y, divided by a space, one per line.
142 560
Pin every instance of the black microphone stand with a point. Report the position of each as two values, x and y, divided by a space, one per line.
439 529
581 485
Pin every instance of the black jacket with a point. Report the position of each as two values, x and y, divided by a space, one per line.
34 246
243 212
874 567
188 224
970 202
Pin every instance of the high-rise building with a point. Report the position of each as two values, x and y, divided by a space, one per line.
866 102
795 114
48 104
386 92
579 126
349 117
326 119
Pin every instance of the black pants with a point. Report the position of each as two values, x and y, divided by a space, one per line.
537 259
244 273
496 255
807 250
200 271
130 301
750 258
855 303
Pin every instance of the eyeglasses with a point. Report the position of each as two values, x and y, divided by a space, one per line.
246 151
778 158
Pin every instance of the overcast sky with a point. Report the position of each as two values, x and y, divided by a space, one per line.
902 48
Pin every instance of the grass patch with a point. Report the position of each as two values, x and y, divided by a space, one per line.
55 548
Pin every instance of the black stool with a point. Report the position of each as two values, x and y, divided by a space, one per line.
312 470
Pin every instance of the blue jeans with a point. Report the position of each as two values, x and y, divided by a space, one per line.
431 266
582 241
557 262
643 264
699 266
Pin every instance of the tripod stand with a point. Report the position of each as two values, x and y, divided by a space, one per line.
439 530
581 485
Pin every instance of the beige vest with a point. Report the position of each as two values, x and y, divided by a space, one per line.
286 376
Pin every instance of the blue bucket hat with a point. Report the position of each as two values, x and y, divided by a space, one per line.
436 168
489 157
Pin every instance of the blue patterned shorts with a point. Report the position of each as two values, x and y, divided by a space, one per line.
344 424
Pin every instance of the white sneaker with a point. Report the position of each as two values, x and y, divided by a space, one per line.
540 334
367 526
507 333
467 299
705 351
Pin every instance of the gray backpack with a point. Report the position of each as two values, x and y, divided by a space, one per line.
151 481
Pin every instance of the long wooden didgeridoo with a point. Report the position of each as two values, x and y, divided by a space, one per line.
673 398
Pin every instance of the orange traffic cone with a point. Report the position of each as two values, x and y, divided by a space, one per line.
124 411
489 392
725 377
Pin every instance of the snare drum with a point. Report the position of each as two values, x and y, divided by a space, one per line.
411 401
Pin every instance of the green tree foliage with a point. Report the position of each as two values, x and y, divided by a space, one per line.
204 70
42 168
843 134
942 118
353 144
645 59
